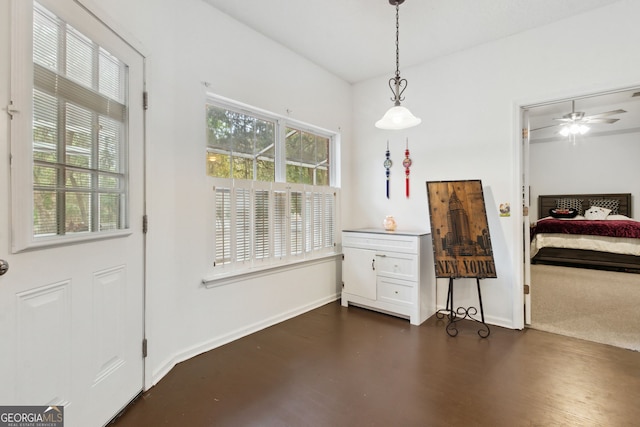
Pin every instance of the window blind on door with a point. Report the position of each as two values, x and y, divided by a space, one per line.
79 131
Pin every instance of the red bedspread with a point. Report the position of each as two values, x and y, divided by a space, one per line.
611 228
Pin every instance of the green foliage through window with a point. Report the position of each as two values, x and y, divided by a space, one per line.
239 146
243 146
307 157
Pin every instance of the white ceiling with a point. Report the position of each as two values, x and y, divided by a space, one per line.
355 39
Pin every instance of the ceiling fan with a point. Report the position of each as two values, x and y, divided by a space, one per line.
577 122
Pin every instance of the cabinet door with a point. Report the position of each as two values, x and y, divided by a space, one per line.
358 272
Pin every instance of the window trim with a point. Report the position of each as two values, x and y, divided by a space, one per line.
21 124
218 275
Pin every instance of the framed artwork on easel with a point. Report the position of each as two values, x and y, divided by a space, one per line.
461 239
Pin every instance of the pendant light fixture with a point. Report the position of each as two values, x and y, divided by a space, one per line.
397 117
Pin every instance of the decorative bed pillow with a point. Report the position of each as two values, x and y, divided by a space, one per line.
619 218
570 204
596 212
563 213
612 204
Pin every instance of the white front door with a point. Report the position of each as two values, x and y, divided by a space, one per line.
71 212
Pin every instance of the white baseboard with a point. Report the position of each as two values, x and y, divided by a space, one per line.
187 354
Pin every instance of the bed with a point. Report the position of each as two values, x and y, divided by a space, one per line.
612 243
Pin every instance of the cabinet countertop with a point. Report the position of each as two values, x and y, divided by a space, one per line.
382 231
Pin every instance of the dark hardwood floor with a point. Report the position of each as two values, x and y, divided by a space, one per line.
337 366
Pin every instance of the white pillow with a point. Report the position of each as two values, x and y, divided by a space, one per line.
575 218
618 217
596 212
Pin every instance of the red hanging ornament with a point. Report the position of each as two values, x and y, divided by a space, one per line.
407 164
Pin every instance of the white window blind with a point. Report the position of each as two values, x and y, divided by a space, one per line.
242 224
222 233
317 221
308 223
296 217
259 224
280 224
79 132
328 212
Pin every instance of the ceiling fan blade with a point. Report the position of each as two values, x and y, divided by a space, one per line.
544 127
605 114
580 118
596 120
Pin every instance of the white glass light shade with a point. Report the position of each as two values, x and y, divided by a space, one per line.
397 117
574 129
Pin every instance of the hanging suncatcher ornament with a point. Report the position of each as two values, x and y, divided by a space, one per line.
407 164
387 166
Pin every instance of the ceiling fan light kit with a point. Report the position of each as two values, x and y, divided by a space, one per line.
574 129
397 117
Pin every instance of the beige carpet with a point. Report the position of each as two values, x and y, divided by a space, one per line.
594 305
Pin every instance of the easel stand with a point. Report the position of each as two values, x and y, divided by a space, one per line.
462 313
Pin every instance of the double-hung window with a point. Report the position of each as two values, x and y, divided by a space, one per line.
275 193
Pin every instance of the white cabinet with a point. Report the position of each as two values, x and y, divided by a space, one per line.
391 272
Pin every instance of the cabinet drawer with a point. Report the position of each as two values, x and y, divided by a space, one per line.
395 292
400 266
381 241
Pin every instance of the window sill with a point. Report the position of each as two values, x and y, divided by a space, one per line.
218 280
21 245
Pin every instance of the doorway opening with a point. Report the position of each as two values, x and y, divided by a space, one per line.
572 291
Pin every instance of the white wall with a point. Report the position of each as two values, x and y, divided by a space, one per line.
595 164
469 103
188 42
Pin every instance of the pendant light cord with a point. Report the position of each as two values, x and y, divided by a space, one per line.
397 39
397 117
397 84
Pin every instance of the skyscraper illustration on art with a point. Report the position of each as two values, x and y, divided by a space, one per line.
461 240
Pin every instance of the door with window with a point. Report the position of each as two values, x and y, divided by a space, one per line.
72 299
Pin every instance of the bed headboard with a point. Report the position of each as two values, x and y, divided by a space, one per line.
549 202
